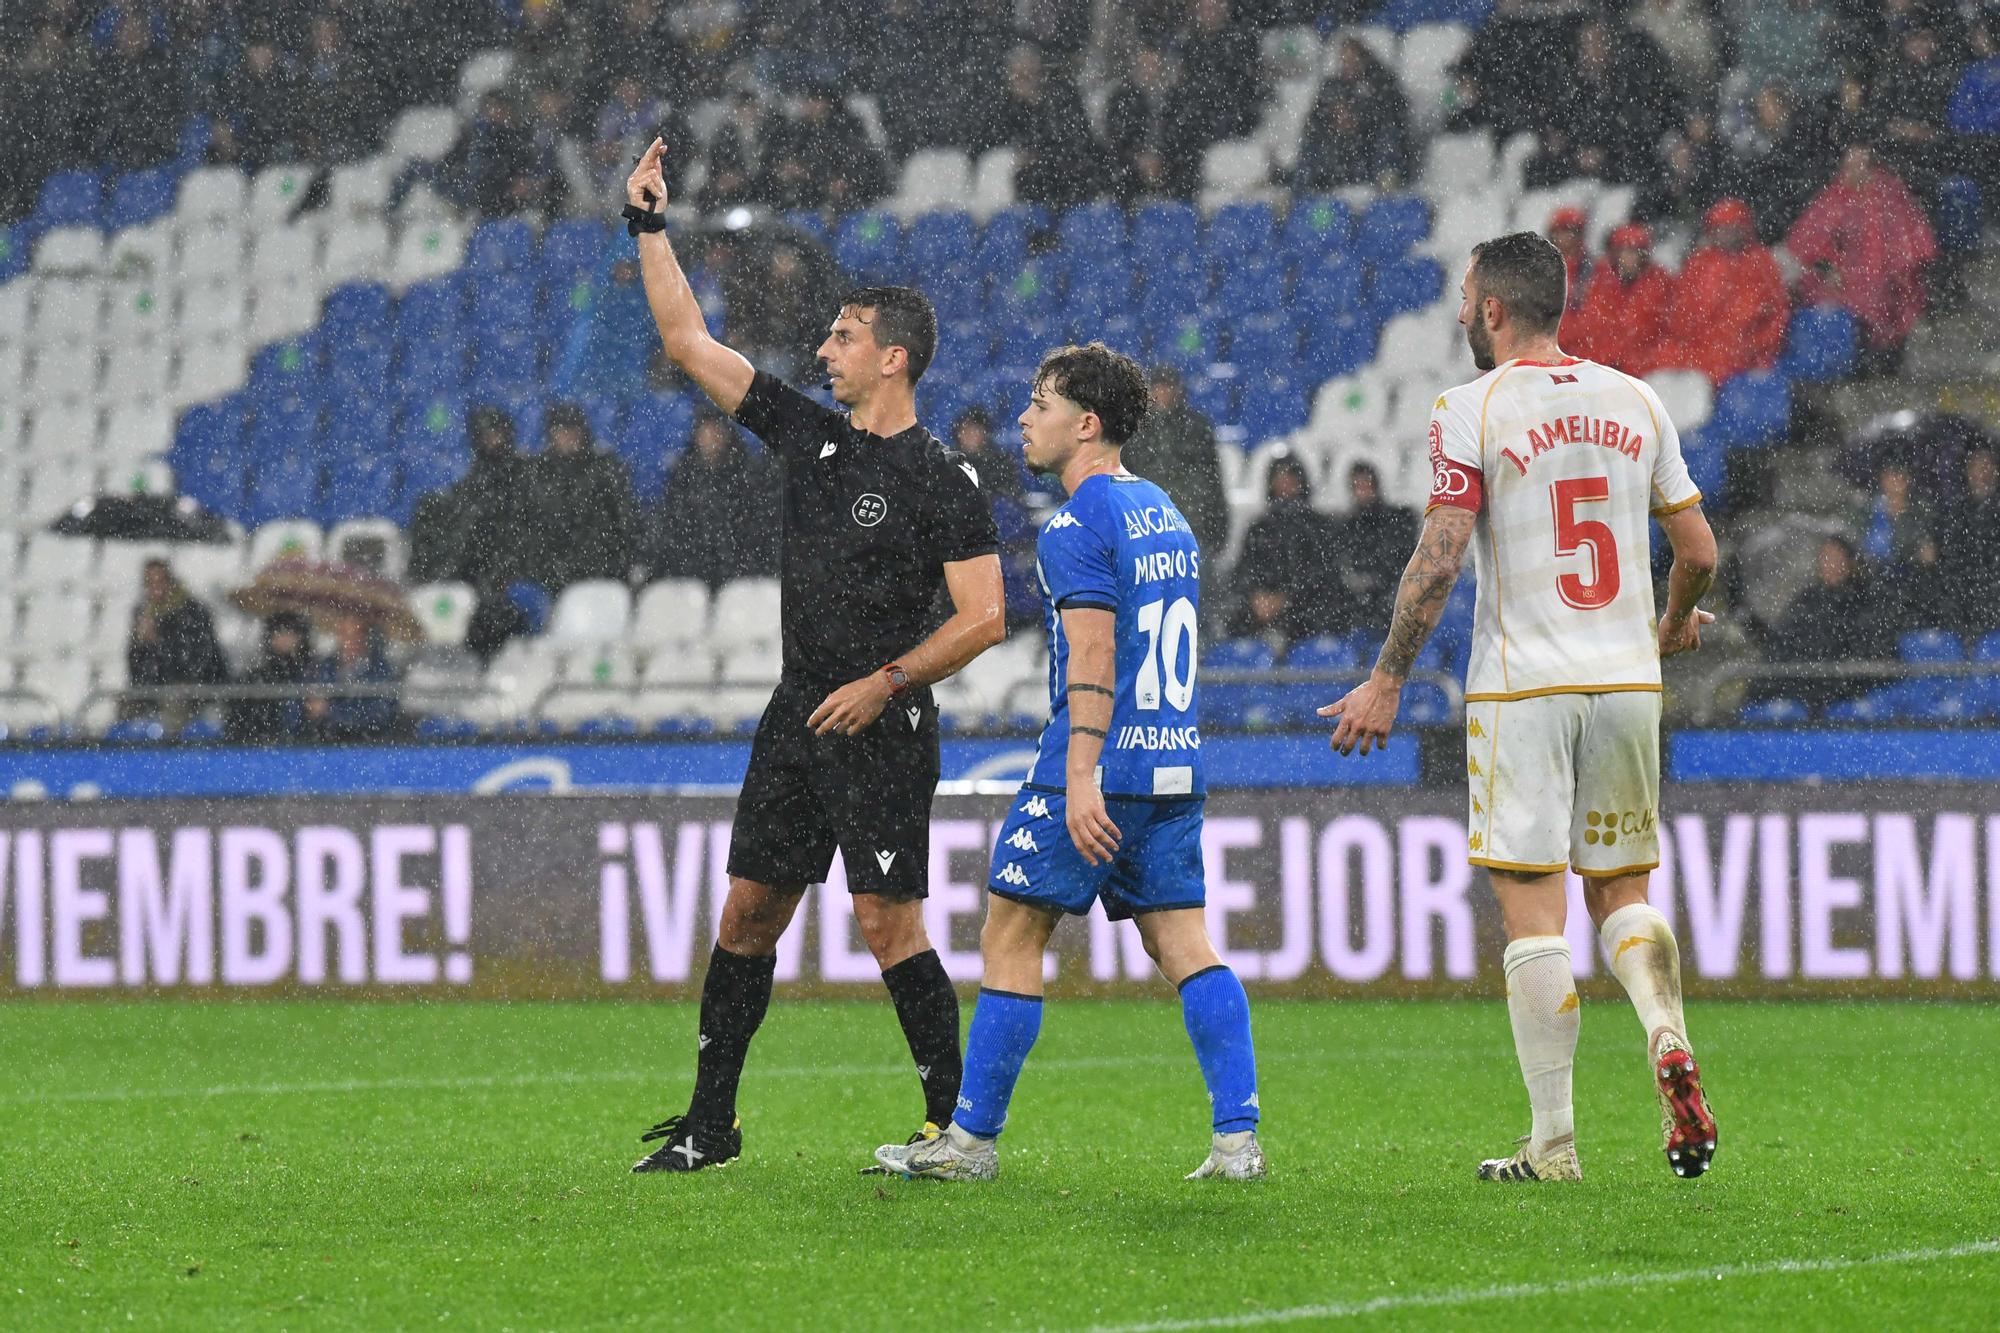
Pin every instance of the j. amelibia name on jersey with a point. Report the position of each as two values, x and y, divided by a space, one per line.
1576 430
1157 738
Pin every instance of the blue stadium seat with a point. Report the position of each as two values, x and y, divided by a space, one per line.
14 243
870 247
289 367
1276 405
446 728
1988 647
1265 345
1773 712
430 309
503 301
808 221
1003 242
1093 231
1338 344
1955 706
1251 285
1031 291
135 731
686 726
143 195
1390 227
357 426
431 367
362 486
357 364
1190 343
606 414
1820 345
356 309
1021 345
504 245
1230 704
209 455
1315 227
1162 231
1403 15
1330 286
1865 709
1752 408
1328 652
609 725
281 425
1707 464
1171 292
200 730
965 346
957 291
1958 214
575 250
942 242
1406 285
504 361
1424 704
1931 646
1238 232
285 487
533 601
427 471
71 199
434 424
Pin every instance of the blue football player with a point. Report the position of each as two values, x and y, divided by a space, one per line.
1111 810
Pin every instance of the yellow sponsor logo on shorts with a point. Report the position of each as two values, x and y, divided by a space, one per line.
1605 827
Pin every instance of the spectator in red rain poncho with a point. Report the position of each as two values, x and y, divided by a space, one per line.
1864 242
1730 306
1565 232
1624 305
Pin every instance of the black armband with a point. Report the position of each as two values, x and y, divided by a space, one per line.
639 219
1088 731
1087 688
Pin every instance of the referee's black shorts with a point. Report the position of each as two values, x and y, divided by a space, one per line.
868 794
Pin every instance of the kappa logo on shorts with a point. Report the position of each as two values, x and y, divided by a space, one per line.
870 509
1037 807
1013 874
1023 840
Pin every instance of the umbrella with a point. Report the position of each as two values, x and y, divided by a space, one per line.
142 518
328 591
1932 445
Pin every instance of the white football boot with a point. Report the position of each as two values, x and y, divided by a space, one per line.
1235 1156
952 1155
1534 1161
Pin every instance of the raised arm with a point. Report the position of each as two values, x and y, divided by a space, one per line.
722 372
1692 575
1368 712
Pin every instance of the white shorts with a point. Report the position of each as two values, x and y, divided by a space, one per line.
1564 781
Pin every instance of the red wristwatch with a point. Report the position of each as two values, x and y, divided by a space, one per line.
899 680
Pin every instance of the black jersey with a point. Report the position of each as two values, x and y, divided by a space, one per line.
869 524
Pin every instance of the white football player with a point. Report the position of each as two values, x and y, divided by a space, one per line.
1551 469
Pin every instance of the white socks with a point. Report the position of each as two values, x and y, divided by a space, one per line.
1542 1004
1639 944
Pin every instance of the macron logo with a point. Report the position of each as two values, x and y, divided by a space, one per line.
885 860
1013 874
1023 841
827 450
1037 807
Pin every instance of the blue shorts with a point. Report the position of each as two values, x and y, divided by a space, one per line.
1157 867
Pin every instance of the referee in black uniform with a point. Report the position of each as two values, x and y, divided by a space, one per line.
877 514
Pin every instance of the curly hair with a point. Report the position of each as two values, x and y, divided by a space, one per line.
903 318
1099 380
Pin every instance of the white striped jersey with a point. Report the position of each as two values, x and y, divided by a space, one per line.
1565 464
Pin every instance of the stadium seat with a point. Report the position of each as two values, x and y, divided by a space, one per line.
210 193
1458 165
993 182
1820 345
1773 712
1930 646
285 539
423 133
1253 284
745 612
1865 709
869 246
1753 408
1232 170
1316 226
750 664
1406 285
444 610
933 178
1988 647
69 312
1264 346
1686 394
670 614
504 245
1391 226
1162 231
143 195
590 612
71 198
361 486
1959 212
1428 52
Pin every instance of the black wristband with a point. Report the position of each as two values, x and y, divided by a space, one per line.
1088 731
639 219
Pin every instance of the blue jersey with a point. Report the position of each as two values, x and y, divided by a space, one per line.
1119 545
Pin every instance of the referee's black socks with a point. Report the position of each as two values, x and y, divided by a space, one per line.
734 996
928 1008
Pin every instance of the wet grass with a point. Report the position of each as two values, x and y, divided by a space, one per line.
301 1164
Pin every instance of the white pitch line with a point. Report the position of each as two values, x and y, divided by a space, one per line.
470 1082
1432 1300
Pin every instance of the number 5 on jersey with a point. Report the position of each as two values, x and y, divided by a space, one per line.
1574 534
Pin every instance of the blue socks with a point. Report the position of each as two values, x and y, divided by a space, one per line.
1217 1013
1004 1028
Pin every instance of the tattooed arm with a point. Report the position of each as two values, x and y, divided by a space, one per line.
1369 710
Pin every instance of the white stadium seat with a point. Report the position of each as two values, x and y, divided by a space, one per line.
679 665
485 71
60 433
145 252
593 611
284 538
277 191
1233 169
425 133
426 250
752 664
212 192
992 182
136 430
359 189
671 612
1378 39
53 622
746 612
63 374
1427 52
1284 124
53 486
17 300
356 251
374 544
211 571
69 311
48 563
138 372
138 310
285 255
1686 394
1459 164
211 254
1413 347
70 250
935 178
208 369
282 310
212 310
444 610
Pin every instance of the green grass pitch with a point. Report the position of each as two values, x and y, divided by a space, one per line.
304 1165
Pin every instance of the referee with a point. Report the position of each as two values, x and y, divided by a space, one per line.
877 513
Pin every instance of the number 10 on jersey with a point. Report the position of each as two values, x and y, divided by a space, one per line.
1165 626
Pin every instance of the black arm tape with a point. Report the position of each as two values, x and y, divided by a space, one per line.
1092 689
1089 731
639 219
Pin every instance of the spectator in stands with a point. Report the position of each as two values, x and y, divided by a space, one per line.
1566 232
777 293
1730 307
1864 242
718 519
476 531
1911 97
1777 161
736 153
1969 547
1624 306
1358 132
1792 40
1057 160
494 167
1686 175
135 96
1222 72
1613 104
1175 449
551 47
1899 538
999 469
1370 546
1284 579
820 157
937 66
172 643
1837 618
625 125
256 123
1684 32
337 92
285 659
1975 102
1499 81
358 659
582 514
639 34
1153 132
